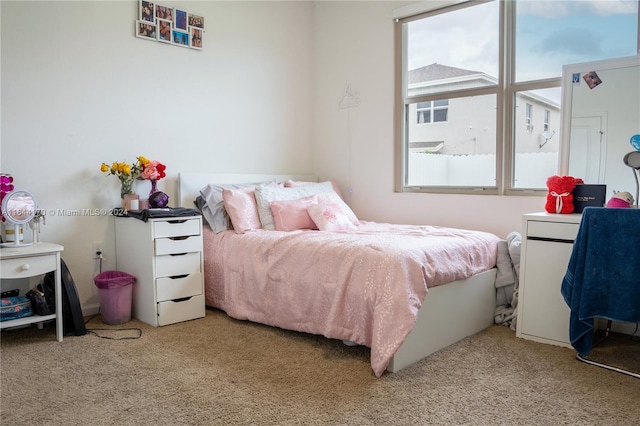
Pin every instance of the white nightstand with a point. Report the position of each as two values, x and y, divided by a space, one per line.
165 256
547 242
31 261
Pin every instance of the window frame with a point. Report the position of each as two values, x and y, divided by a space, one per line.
506 91
401 126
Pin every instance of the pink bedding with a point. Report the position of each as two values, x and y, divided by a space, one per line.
365 286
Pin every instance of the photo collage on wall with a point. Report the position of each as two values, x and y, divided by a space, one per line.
168 24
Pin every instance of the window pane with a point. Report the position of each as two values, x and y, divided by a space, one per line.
536 148
458 152
454 50
553 33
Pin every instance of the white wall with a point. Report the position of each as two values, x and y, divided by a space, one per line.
354 47
79 89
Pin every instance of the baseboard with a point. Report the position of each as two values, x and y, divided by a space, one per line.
89 310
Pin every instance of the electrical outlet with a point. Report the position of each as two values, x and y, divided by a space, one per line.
98 247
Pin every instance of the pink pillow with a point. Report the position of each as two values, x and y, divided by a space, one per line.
241 206
291 215
333 198
295 183
330 217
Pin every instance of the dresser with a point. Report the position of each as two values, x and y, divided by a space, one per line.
32 261
547 242
165 256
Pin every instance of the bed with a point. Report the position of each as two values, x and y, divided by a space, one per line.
404 291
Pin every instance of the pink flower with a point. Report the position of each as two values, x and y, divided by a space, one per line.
154 170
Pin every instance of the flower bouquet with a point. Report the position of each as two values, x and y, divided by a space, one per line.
126 173
152 171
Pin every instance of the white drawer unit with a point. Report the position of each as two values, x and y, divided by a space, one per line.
547 243
165 256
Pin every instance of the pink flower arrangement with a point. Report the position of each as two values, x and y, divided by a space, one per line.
153 170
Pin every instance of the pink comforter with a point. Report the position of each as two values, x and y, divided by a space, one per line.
365 286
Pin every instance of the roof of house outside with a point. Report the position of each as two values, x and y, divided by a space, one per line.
436 71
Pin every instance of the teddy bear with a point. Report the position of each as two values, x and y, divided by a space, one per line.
620 199
560 197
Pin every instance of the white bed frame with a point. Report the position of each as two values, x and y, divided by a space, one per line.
448 314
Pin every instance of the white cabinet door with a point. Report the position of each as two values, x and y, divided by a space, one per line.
544 312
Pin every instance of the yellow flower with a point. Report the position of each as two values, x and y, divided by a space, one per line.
104 168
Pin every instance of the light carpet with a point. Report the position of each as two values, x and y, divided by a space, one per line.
220 371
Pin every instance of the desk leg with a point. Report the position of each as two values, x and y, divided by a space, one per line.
58 289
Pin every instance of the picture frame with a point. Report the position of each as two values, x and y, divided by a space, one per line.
147 11
180 38
170 25
164 12
146 30
180 19
195 37
164 30
196 21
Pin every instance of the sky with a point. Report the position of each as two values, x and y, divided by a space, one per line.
550 34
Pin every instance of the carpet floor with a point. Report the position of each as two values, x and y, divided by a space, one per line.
220 371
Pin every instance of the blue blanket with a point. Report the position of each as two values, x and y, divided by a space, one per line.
603 276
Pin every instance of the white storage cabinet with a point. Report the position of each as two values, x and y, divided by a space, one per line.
165 256
547 243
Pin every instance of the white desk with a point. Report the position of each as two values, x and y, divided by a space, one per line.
31 261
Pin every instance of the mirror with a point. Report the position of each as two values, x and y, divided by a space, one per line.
601 113
18 208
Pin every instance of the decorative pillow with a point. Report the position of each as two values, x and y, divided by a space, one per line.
241 206
199 202
214 211
292 215
268 194
333 198
330 217
296 183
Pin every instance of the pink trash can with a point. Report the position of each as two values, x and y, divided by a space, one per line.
115 289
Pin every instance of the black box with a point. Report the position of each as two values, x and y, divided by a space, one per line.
588 195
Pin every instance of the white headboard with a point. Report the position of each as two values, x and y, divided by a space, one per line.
190 184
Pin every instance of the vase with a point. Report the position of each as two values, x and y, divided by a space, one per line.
154 187
126 187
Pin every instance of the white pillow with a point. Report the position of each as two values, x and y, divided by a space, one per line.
269 194
330 217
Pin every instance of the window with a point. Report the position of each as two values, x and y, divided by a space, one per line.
432 111
486 78
547 116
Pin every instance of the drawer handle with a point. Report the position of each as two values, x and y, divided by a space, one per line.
177 254
178 238
176 221
177 277
25 267
182 299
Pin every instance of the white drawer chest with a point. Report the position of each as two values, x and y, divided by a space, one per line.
547 243
165 256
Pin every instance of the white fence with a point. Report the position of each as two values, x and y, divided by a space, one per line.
531 169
